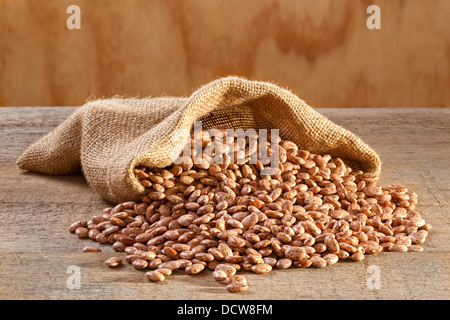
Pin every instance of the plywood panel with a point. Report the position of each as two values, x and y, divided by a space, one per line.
321 50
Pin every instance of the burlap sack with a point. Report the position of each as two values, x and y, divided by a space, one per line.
106 139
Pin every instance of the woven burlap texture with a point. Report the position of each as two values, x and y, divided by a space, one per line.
106 139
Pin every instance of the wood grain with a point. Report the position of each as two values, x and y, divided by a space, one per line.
321 50
36 211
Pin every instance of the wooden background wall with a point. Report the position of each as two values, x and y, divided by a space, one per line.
321 50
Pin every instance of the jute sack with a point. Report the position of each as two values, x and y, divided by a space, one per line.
106 139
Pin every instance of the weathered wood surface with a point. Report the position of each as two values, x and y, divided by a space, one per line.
36 210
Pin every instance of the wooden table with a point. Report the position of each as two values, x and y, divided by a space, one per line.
38 254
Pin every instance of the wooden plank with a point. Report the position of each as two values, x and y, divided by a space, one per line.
19 127
44 275
36 211
321 50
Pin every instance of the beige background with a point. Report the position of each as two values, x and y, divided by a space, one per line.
321 50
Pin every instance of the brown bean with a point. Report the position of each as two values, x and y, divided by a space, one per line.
171 253
295 253
236 241
110 230
284 237
140 264
82 232
203 256
149 255
415 248
237 287
236 278
331 244
165 271
318 262
195 268
219 275
77 224
170 264
113 262
117 222
262 244
284 263
357 256
331 258
398 248
302 263
227 268
91 249
101 238
261 268
154 263
155 276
